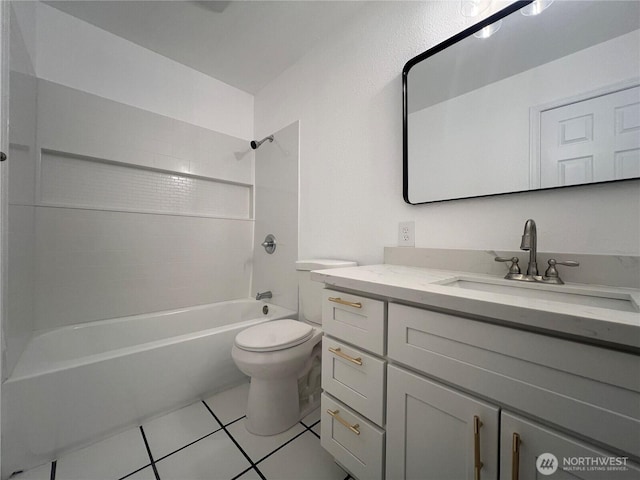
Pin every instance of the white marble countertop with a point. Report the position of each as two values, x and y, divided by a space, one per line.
429 287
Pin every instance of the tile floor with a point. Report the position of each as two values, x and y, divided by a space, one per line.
204 441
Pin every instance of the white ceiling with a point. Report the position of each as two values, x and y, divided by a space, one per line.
243 43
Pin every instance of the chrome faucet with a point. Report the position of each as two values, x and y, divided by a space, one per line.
530 243
261 295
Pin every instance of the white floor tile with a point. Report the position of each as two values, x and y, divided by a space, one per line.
250 475
144 474
175 430
257 446
38 473
312 418
215 457
316 429
112 458
302 459
230 404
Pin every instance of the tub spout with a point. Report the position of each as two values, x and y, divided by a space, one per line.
262 295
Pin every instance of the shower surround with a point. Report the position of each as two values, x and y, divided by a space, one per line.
116 212
131 235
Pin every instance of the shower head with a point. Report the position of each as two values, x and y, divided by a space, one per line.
255 144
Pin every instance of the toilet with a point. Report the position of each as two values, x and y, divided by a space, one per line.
282 357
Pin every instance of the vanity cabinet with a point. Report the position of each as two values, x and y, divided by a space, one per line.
438 432
445 396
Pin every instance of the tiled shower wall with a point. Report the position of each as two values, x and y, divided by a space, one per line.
136 212
117 211
277 213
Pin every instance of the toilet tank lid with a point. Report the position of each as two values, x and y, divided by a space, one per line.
320 264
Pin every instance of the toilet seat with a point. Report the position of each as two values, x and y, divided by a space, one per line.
274 336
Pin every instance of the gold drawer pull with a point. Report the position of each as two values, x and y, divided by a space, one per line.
477 464
344 302
515 457
353 428
341 354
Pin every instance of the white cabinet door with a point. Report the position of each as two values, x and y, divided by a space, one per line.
594 140
435 433
530 451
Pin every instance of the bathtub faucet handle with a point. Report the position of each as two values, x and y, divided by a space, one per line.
261 295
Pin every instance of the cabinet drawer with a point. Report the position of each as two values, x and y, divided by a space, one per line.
360 453
354 377
355 319
523 441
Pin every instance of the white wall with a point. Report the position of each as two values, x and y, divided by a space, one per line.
347 95
77 54
23 37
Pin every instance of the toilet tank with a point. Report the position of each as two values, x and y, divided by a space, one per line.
310 292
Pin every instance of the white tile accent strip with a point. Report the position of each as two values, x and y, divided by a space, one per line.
83 182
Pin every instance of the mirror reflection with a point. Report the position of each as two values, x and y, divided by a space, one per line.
542 101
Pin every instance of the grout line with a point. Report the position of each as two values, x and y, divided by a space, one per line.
314 423
311 426
188 445
242 473
235 442
281 446
236 420
54 466
146 444
257 470
134 472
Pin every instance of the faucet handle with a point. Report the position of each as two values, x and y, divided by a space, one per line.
552 271
514 268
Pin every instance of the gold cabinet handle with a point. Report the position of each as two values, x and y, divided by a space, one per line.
341 354
344 302
477 464
353 428
515 457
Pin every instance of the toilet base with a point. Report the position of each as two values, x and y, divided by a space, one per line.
273 406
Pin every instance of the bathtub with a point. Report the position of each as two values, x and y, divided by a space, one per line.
75 384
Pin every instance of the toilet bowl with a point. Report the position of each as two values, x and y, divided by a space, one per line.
274 404
282 357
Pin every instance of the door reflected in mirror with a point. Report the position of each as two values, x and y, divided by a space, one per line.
547 101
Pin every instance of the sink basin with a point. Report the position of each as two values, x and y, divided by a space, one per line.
565 294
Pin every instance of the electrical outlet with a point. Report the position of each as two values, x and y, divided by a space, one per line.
407 234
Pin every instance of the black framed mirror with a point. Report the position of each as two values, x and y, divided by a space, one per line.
547 101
